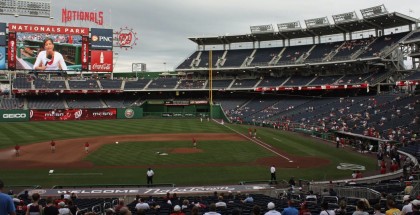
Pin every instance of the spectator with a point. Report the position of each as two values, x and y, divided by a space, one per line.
24 196
377 209
248 199
360 208
212 210
195 210
304 210
120 205
272 209
221 203
63 209
123 211
416 208
72 207
34 208
50 208
392 209
177 211
256 210
342 208
142 205
21 207
290 210
408 207
324 209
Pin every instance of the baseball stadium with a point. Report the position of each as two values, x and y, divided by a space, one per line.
241 126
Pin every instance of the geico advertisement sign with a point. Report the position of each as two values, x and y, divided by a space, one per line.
14 115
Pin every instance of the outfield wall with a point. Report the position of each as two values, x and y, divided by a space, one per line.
161 110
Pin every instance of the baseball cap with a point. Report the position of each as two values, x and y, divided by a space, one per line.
406 198
62 204
270 205
416 203
177 208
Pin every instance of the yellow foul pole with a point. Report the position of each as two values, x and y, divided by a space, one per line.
211 81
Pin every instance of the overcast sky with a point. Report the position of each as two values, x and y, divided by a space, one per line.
163 26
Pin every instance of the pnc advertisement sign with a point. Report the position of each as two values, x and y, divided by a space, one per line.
2 34
101 38
101 61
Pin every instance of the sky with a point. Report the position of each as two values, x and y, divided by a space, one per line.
164 26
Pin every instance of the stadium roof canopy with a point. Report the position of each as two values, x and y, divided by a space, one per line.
383 21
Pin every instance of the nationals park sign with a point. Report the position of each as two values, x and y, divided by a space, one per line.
151 191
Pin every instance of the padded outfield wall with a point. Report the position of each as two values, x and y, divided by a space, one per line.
153 109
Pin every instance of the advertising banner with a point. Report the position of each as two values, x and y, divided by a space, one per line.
72 114
129 113
11 53
2 58
85 53
101 38
2 34
14 27
14 115
101 61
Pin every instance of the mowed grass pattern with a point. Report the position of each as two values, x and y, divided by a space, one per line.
30 132
145 153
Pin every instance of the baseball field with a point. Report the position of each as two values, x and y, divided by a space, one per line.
224 153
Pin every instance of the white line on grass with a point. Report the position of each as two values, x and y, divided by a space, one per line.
259 142
74 174
277 139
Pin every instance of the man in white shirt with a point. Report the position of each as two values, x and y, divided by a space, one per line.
271 209
408 206
150 175
142 205
273 174
221 203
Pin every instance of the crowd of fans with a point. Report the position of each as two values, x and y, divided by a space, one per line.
292 202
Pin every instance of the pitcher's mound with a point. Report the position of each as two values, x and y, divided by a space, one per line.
185 150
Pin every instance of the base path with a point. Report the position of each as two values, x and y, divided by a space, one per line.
70 153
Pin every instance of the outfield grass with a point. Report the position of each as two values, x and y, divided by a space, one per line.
214 152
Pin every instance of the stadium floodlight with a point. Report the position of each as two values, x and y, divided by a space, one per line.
289 26
345 17
258 29
317 22
39 8
374 11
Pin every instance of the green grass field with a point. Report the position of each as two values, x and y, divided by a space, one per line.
116 164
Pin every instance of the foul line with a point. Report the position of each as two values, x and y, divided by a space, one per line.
74 174
259 142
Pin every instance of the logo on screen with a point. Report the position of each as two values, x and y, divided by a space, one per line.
129 113
94 38
78 114
126 38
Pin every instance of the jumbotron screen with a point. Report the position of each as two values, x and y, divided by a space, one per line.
46 48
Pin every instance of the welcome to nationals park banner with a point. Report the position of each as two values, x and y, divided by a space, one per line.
72 114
